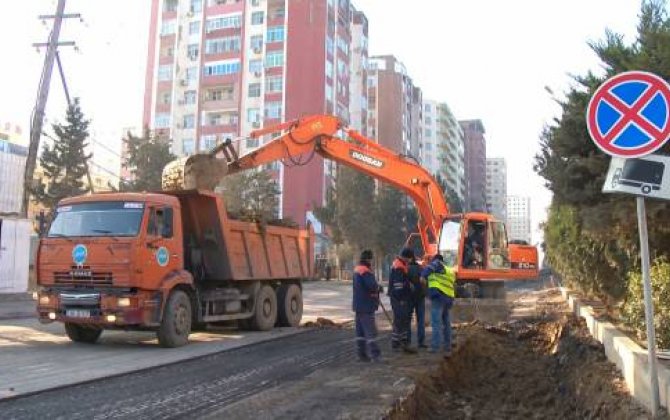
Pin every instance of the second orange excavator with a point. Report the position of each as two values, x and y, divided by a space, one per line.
475 242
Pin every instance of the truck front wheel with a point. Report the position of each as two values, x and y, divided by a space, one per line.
265 314
82 333
289 299
176 323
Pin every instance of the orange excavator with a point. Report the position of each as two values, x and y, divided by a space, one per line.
475 242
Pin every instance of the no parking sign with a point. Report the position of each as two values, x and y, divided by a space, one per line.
628 117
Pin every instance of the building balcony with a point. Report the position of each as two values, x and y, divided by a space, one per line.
218 129
213 8
229 55
222 105
209 81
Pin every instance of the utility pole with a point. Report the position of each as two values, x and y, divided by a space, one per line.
37 117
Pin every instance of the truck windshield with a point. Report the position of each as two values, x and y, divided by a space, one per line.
111 218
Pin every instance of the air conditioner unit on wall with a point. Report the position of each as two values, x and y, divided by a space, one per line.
256 124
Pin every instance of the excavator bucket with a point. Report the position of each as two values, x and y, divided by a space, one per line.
202 171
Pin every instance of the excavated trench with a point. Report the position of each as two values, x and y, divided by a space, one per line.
523 369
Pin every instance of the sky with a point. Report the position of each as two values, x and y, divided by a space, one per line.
488 59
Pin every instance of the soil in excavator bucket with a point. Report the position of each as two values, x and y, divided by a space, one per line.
200 171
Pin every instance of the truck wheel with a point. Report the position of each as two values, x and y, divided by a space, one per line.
82 333
289 300
265 314
176 323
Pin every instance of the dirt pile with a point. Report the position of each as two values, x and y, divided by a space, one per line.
523 369
324 323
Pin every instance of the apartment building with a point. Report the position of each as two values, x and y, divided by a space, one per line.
219 69
519 225
395 106
443 149
475 164
496 187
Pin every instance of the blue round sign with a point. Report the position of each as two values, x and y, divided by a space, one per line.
79 254
162 256
629 114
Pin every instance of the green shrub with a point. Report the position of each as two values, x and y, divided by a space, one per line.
633 309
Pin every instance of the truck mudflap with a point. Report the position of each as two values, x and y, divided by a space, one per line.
105 309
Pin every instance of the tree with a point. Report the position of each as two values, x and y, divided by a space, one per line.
65 161
355 208
590 235
147 156
251 194
390 232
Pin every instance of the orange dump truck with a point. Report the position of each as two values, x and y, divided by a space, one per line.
167 262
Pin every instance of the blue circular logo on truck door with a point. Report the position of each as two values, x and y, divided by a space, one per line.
162 256
79 254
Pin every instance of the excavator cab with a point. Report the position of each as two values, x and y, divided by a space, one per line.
476 243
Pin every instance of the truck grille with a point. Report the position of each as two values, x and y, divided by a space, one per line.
83 276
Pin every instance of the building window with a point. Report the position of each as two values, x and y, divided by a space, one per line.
342 45
189 121
252 143
214 119
220 94
231 21
253 115
208 142
221 68
191 74
257 18
428 120
189 97
196 6
257 43
330 45
222 45
194 28
274 59
273 110
256 66
426 107
168 27
170 5
192 51
255 3
428 147
162 121
329 92
275 34
274 84
188 146
429 133
166 98
329 69
164 72
254 90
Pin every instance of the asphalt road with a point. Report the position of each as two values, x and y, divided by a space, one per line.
191 388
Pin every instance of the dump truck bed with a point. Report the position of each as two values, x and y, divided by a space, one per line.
227 249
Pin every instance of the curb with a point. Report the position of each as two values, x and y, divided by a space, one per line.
626 354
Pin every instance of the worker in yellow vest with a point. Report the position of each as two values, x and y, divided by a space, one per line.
441 280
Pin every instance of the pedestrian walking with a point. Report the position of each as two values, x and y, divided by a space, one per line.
400 292
441 280
365 304
417 303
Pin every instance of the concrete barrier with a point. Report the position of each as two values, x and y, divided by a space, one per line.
629 357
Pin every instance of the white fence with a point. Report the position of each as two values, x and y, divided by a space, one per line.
14 255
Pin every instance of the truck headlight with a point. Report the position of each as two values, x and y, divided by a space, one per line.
44 300
123 302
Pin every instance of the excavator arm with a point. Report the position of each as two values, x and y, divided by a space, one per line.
317 134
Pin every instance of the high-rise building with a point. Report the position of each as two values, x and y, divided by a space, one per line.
518 218
475 164
443 150
394 106
221 68
13 155
496 187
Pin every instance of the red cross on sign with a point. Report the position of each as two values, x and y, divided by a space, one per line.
629 114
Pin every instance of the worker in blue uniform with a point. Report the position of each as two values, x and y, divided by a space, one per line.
365 304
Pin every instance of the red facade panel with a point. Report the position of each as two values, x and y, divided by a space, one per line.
305 94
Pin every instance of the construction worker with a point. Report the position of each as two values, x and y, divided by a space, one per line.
365 304
400 292
418 302
441 280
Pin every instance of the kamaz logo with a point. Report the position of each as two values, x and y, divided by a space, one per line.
367 159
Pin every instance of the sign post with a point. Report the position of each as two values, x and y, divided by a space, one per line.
628 118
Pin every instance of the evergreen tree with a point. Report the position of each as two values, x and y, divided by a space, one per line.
65 161
251 194
147 156
590 236
391 231
355 208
